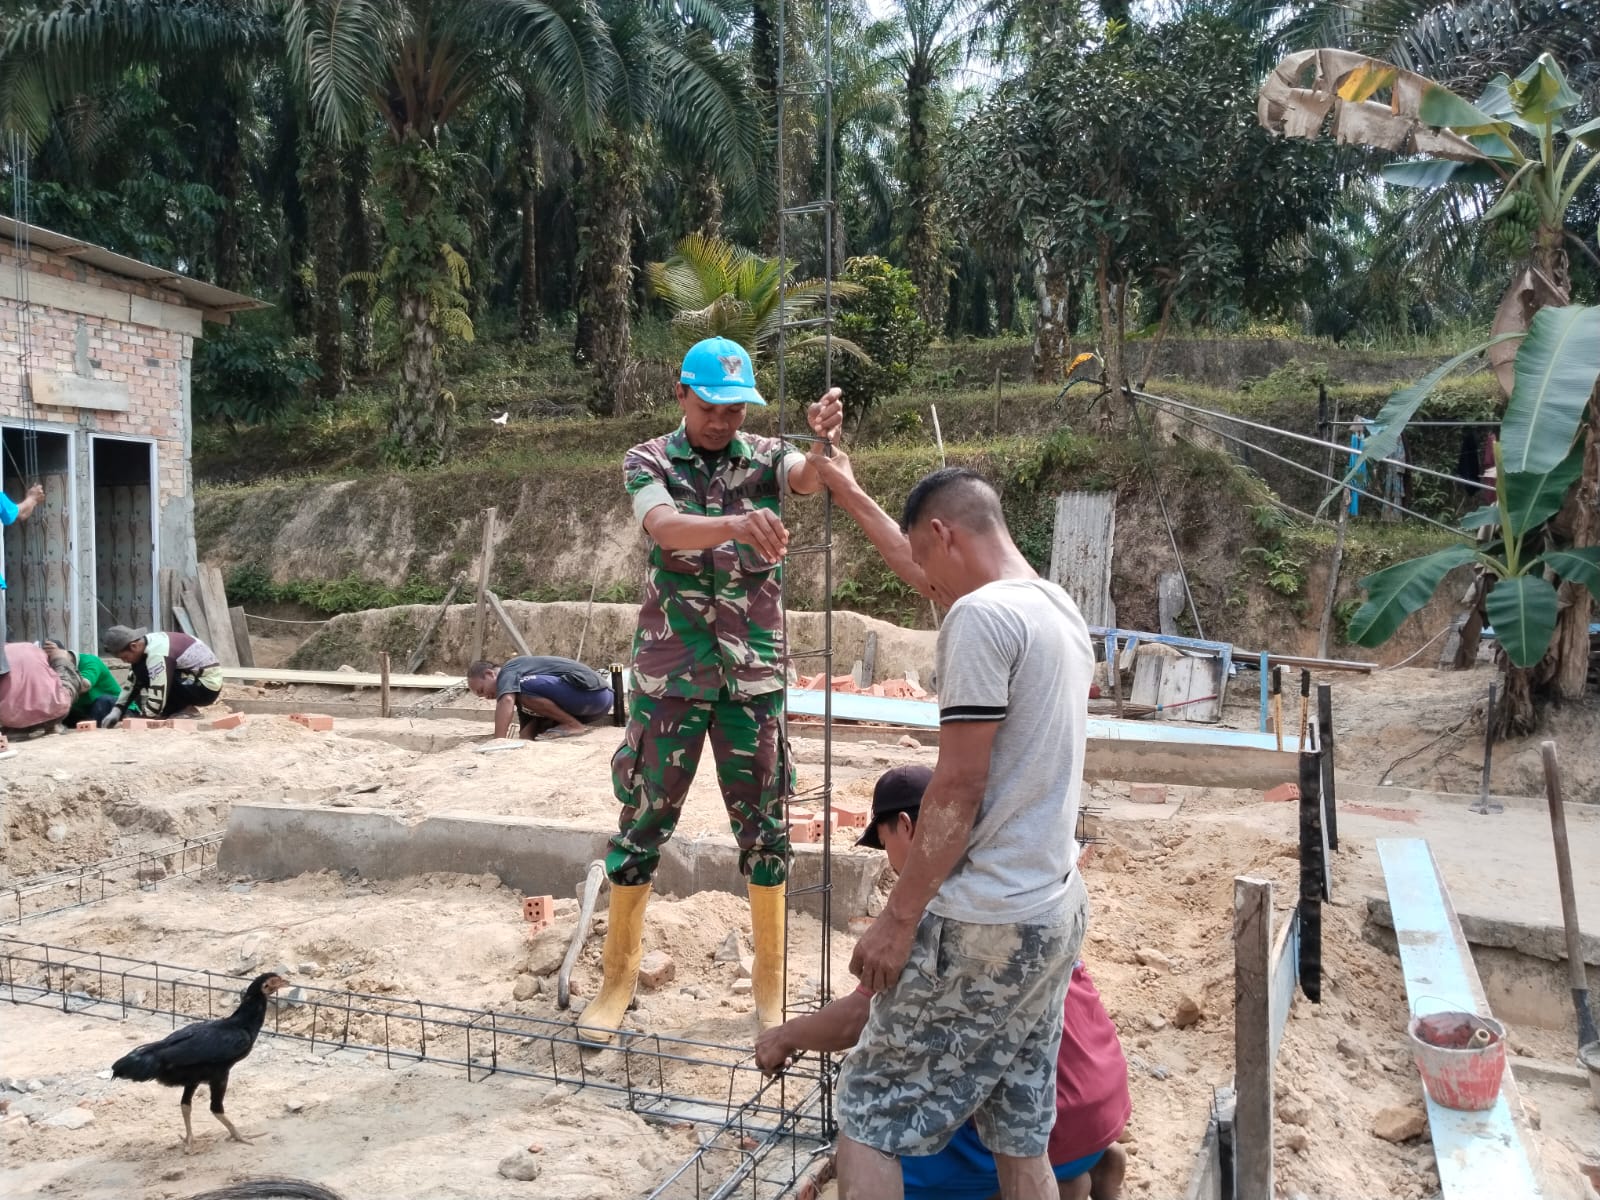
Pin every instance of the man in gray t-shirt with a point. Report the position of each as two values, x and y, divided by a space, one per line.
546 694
970 960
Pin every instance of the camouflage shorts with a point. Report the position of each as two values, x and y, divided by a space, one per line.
971 1030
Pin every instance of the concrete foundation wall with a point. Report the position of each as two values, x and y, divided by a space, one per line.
277 841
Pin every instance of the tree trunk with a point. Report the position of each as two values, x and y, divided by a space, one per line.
1005 294
1051 343
422 424
230 186
1516 717
1582 512
610 196
1111 321
529 179
321 183
924 252
359 258
764 69
704 203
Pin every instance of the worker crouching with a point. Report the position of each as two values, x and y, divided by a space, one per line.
707 661
172 674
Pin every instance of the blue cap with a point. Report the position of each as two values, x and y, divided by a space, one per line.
718 370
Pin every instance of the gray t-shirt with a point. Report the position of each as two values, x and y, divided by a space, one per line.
509 680
1017 651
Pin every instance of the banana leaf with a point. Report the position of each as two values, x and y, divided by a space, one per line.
1396 592
1556 368
1522 610
1577 566
1533 497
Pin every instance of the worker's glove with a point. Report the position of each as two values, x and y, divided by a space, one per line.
112 719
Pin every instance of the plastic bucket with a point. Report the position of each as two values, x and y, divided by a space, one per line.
1589 1056
1461 1057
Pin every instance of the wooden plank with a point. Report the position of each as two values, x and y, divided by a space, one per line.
1205 1177
383 684
1080 551
189 592
485 563
215 597
421 652
507 624
181 618
169 598
1480 1155
1285 977
357 679
57 389
1330 806
1314 884
241 637
50 291
1252 1037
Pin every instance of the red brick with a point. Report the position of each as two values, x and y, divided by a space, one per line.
852 816
183 725
138 724
1283 792
657 969
86 726
804 830
231 721
1148 793
316 722
539 909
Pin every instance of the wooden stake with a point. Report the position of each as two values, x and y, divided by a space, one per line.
869 660
241 637
1330 806
1577 976
383 684
485 562
504 618
1333 575
1277 704
1305 707
1114 670
1483 806
421 652
1252 1038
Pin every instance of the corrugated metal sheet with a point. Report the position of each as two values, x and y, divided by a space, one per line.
195 292
1080 554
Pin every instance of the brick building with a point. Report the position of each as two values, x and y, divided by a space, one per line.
95 351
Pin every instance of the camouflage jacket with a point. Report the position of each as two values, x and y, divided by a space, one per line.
711 620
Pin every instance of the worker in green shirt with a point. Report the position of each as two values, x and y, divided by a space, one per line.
100 688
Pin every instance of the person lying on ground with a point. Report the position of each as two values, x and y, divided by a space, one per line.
12 511
100 688
173 675
545 694
985 923
1092 1099
39 689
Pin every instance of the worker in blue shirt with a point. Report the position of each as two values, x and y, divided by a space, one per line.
10 513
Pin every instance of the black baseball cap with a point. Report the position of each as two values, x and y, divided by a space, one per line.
897 791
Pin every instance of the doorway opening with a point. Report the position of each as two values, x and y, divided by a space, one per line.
122 473
40 596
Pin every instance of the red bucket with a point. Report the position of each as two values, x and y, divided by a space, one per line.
1461 1057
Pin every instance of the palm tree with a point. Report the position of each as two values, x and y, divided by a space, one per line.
717 289
931 46
672 77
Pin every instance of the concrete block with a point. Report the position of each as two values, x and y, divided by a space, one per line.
279 841
1148 793
1282 793
540 910
231 721
316 722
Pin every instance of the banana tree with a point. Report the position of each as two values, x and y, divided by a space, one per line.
717 289
1539 458
1520 137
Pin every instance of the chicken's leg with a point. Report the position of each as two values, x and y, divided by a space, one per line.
233 1133
188 1130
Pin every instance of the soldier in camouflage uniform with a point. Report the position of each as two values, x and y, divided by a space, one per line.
707 660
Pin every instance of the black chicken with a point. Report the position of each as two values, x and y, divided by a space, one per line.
203 1053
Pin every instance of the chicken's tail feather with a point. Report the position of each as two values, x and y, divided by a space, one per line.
138 1065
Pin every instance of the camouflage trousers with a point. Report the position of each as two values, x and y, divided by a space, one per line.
971 1029
657 761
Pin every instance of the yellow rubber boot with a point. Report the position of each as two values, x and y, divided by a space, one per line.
766 977
619 961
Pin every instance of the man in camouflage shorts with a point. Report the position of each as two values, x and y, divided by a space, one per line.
969 963
707 660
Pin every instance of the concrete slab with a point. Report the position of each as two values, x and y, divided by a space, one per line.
277 841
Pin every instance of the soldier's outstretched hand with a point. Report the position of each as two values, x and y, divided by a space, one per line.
826 416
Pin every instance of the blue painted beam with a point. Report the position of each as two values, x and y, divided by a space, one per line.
1480 1155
